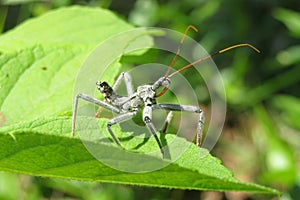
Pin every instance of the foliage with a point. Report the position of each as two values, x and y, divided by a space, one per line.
262 90
39 62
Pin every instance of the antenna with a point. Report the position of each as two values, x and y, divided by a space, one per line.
197 61
179 48
210 56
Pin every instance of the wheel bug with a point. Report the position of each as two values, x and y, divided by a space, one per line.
126 107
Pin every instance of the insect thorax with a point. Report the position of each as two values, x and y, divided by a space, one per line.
145 92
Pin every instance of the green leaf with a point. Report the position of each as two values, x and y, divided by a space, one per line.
289 56
290 18
280 161
71 26
3 14
14 2
39 63
289 108
38 81
265 90
37 153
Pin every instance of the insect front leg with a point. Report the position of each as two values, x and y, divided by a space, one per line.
186 108
128 83
147 117
118 119
91 100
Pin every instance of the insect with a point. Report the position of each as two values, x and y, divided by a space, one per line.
126 107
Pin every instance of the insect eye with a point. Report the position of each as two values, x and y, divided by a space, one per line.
103 87
104 84
99 86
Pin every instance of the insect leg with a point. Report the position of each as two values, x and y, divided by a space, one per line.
147 116
128 83
118 119
186 108
92 100
167 122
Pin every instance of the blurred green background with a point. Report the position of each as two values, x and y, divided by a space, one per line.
261 138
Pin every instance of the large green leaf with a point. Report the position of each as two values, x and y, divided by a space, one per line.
41 148
38 81
81 26
38 68
40 60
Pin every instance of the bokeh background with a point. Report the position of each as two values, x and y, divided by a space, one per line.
261 137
